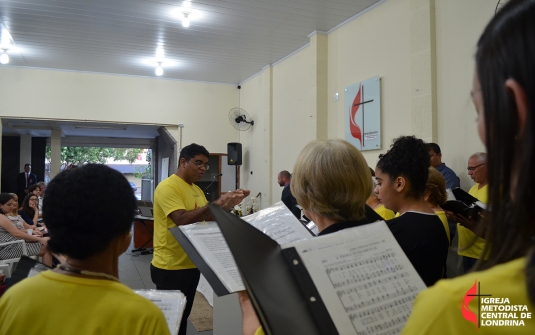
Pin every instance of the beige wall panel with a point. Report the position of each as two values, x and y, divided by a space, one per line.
458 24
376 43
294 120
201 107
256 169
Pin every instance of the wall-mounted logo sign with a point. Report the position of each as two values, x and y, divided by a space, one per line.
363 114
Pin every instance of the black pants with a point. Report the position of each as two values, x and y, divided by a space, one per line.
184 280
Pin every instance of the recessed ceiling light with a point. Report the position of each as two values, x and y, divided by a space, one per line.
4 58
159 69
185 19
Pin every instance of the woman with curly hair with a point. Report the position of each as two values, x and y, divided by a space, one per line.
401 176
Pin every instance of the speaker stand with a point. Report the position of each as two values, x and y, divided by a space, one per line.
237 176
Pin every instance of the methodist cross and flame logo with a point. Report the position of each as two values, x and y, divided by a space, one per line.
467 313
354 128
493 312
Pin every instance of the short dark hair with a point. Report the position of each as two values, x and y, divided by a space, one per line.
84 226
192 150
5 197
434 147
408 157
27 164
32 188
285 174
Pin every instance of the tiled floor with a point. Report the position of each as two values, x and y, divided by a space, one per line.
134 272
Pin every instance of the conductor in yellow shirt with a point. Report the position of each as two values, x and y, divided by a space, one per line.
178 201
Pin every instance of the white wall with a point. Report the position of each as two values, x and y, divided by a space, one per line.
459 25
279 98
376 43
256 172
202 107
274 144
379 43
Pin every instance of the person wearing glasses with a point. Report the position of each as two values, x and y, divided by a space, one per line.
178 201
471 248
30 209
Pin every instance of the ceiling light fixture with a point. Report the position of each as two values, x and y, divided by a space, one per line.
159 69
4 58
185 19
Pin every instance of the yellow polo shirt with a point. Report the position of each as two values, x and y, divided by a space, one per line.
172 194
466 236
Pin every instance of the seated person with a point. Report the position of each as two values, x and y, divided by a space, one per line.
435 194
36 189
340 177
29 211
374 202
401 176
18 221
83 295
35 245
42 187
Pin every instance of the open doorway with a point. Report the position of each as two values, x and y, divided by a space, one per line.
134 163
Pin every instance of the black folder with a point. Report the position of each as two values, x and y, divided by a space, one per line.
465 204
24 266
297 307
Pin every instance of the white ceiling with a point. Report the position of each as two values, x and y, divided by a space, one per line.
228 41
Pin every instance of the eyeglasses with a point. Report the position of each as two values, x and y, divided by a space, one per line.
201 164
472 168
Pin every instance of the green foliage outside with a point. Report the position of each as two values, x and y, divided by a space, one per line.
144 172
83 155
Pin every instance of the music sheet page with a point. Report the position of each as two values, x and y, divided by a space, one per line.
207 238
276 221
171 303
363 277
279 223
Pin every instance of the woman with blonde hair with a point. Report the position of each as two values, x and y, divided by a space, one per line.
331 181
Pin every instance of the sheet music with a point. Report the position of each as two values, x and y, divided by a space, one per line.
278 223
363 277
275 221
171 303
207 238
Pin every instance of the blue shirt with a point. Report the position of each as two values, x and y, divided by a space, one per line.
452 181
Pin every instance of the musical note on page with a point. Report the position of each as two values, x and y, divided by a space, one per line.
364 279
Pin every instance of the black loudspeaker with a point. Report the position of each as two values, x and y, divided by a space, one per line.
234 153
